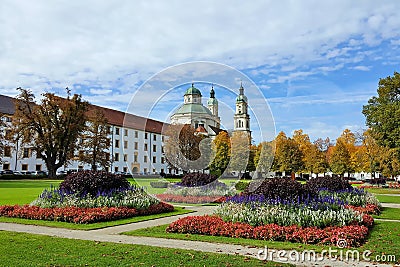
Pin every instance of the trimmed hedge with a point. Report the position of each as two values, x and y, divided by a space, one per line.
197 179
159 184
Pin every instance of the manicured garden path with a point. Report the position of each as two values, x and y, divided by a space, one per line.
112 234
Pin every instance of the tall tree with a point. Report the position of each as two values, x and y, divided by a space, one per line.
51 127
305 146
340 160
222 152
240 152
96 141
382 113
185 149
264 156
288 156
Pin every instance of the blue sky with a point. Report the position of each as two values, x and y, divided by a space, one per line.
315 62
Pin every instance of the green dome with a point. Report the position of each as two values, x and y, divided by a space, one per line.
212 101
193 91
241 98
193 108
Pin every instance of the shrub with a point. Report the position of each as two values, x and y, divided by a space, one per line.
279 188
329 183
132 197
241 186
197 179
159 184
93 182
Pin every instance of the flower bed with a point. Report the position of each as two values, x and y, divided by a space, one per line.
131 197
190 199
354 235
321 211
80 215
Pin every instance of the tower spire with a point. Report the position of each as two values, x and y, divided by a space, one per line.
212 93
241 89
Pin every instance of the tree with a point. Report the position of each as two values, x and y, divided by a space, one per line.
50 128
264 156
389 162
288 156
382 113
186 149
305 146
240 152
340 161
369 154
222 152
96 141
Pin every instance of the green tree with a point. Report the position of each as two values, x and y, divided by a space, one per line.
51 128
222 151
382 113
96 141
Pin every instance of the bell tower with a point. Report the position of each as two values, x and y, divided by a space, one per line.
241 117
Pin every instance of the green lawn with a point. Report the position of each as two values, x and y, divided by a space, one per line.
383 190
91 226
388 199
389 213
23 191
36 250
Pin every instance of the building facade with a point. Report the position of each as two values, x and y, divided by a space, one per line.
136 145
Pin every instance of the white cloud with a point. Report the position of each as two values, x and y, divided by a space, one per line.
112 47
362 68
101 41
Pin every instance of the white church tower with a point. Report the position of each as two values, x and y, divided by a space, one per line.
241 118
212 105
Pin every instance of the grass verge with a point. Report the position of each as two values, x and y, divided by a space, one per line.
389 213
92 226
383 190
36 250
384 239
388 199
23 191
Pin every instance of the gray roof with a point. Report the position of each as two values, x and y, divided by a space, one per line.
7 105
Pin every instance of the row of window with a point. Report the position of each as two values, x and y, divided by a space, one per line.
135 158
24 167
136 146
146 135
26 153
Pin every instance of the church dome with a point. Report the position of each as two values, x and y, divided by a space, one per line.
193 108
241 98
193 91
212 101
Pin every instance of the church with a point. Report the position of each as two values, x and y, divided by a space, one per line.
205 119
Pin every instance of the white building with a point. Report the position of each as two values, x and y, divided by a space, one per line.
136 145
